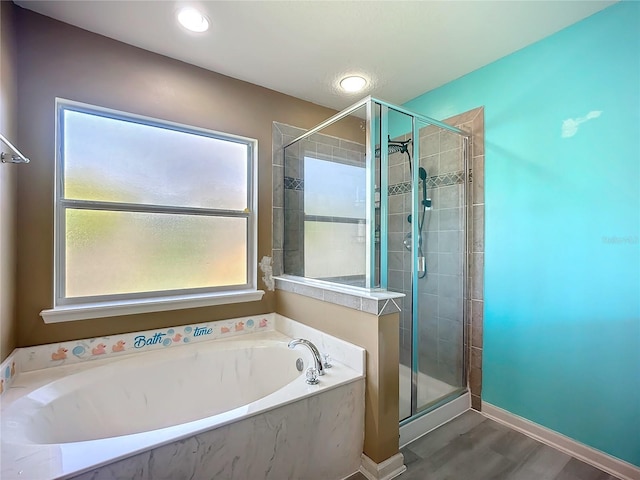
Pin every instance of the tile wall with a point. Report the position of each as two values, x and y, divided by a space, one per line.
441 289
288 187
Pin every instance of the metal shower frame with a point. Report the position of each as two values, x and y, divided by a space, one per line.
372 144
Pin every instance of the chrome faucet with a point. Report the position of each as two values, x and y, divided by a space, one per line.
314 351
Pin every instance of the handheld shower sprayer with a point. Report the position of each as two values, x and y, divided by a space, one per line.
426 202
422 173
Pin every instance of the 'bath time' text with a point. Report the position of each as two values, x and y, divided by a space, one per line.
199 331
140 341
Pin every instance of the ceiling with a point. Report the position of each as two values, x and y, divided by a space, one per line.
303 48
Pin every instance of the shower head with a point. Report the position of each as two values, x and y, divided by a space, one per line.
422 173
393 148
396 147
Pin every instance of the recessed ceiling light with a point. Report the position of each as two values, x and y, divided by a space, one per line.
353 83
193 20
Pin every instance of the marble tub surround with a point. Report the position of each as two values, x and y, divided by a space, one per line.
335 348
167 384
317 438
378 334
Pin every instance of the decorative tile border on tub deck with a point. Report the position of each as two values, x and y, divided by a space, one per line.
8 370
75 351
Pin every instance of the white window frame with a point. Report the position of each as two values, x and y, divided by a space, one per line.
81 308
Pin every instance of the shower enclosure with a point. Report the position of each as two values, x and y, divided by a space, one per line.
375 199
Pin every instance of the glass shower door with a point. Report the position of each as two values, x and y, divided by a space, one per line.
425 241
438 276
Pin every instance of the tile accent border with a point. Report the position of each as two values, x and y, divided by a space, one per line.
377 303
435 181
85 350
590 455
291 183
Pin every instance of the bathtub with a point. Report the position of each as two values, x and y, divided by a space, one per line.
226 408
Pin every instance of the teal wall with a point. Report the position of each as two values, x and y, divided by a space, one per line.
562 264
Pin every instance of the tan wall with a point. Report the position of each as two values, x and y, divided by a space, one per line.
379 336
58 60
8 176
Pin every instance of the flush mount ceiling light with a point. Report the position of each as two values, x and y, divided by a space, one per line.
353 83
193 20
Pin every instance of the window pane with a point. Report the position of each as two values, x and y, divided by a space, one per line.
128 252
334 189
115 160
334 249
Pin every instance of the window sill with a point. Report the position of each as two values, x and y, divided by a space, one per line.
70 313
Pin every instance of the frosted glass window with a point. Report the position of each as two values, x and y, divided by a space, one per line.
147 208
127 252
117 160
334 249
334 189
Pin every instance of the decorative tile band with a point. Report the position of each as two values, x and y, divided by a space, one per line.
400 188
446 179
436 181
324 218
291 183
75 351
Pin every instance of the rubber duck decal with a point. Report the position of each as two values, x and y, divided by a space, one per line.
263 323
239 326
177 337
61 354
118 347
224 330
100 349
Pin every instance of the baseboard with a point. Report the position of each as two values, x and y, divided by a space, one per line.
390 468
432 420
590 455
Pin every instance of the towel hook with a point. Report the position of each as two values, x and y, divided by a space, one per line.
15 157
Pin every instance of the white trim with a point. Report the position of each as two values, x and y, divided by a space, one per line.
590 455
69 313
432 420
390 468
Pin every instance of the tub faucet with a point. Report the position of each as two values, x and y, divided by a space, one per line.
314 351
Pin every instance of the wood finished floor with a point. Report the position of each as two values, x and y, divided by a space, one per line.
473 447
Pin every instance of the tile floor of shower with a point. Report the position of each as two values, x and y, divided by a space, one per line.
439 361
430 391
